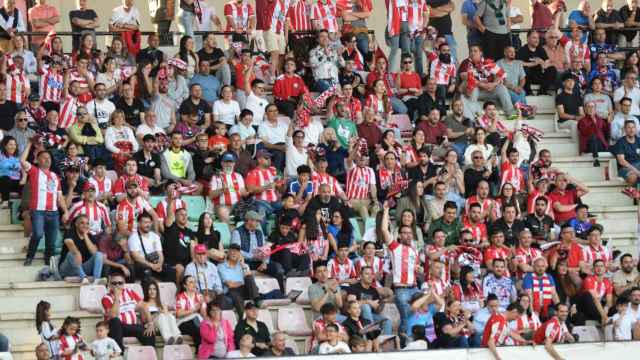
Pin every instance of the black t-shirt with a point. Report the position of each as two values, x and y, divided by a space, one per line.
131 112
203 108
80 245
326 208
177 245
625 14
348 79
570 102
153 56
146 166
418 174
213 57
276 238
440 320
87 14
525 54
8 112
212 241
472 177
511 233
540 228
442 24
361 293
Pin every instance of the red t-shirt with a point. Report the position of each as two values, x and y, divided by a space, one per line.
602 287
288 86
432 133
409 80
570 197
240 76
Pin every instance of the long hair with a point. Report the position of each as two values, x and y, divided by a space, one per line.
385 99
463 278
68 321
346 229
413 225
414 146
183 283
412 193
379 229
183 53
201 228
41 310
145 291
3 146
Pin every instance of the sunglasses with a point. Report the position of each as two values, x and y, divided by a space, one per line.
80 113
408 62
23 119
117 283
477 157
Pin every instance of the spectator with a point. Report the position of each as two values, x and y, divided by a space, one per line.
608 19
538 64
596 296
245 344
191 309
516 80
564 200
452 326
287 88
631 18
237 279
255 328
509 225
499 283
177 165
125 17
409 86
554 330
491 22
216 334
355 323
163 320
449 223
440 19
602 101
324 61
497 332
80 254
626 278
218 63
10 168
83 20
8 108
120 306
42 351
367 292
625 150
146 250
12 22
288 261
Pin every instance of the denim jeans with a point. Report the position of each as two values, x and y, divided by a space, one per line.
459 148
368 314
418 54
47 224
185 25
518 98
398 106
224 74
403 295
70 267
401 42
362 40
453 45
4 343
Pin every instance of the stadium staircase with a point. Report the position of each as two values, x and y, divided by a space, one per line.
19 291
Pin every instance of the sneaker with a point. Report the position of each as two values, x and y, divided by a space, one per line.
27 262
53 264
596 163
630 192
171 341
85 281
179 340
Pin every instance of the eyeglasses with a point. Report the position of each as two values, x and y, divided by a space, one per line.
79 113
408 62
23 119
117 283
477 157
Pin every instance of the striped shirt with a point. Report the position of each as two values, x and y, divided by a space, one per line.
325 12
404 260
342 271
261 177
299 16
234 183
238 15
45 189
163 206
97 213
359 181
51 85
102 186
128 212
18 86
129 300
68 112
320 179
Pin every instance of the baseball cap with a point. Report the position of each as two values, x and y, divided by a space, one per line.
228 157
200 249
234 247
263 154
88 186
252 215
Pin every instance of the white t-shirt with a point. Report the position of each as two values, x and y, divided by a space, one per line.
294 158
101 110
257 106
513 12
208 12
634 95
151 243
236 354
145 129
121 16
326 348
227 113
623 330
108 82
104 348
273 134
164 107
313 131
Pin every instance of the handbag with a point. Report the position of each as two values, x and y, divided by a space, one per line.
152 257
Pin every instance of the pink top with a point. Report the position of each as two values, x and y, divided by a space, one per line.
209 334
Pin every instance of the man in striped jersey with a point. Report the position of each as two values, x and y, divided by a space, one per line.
361 184
97 213
227 188
497 332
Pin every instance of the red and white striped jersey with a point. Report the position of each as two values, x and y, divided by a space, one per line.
98 215
238 14
577 51
68 112
68 342
601 287
526 322
484 204
389 177
129 300
483 70
493 252
377 105
17 85
74 75
120 186
45 189
438 286
320 179
359 181
51 85
128 212
325 12
484 122
102 186
234 183
512 174
185 302
396 13
299 18
525 256
551 329
441 72
375 263
341 270
479 230
161 208
262 177
591 254
498 330
279 15
404 261
444 259
415 14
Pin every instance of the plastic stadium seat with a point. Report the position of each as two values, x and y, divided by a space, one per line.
155 200
608 333
390 311
137 288
290 343
587 333
299 283
91 298
264 315
266 285
195 206
141 353
168 292
357 233
230 316
177 352
292 321
225 233
369 223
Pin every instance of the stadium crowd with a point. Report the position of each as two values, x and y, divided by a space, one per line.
303 134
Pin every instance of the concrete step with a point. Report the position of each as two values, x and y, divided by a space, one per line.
585 173
20 273
544 103
24 304
611 197
545 123
617 223
39 288
559 147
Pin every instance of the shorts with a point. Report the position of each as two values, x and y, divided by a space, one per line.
624 172
274 42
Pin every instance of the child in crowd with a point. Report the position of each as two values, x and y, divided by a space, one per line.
48 333
71 343
104 347
219 141
355 326
333 345
341 267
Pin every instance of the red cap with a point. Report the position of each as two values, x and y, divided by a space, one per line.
88 186
200 249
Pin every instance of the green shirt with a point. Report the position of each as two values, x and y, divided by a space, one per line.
452 230
345 130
